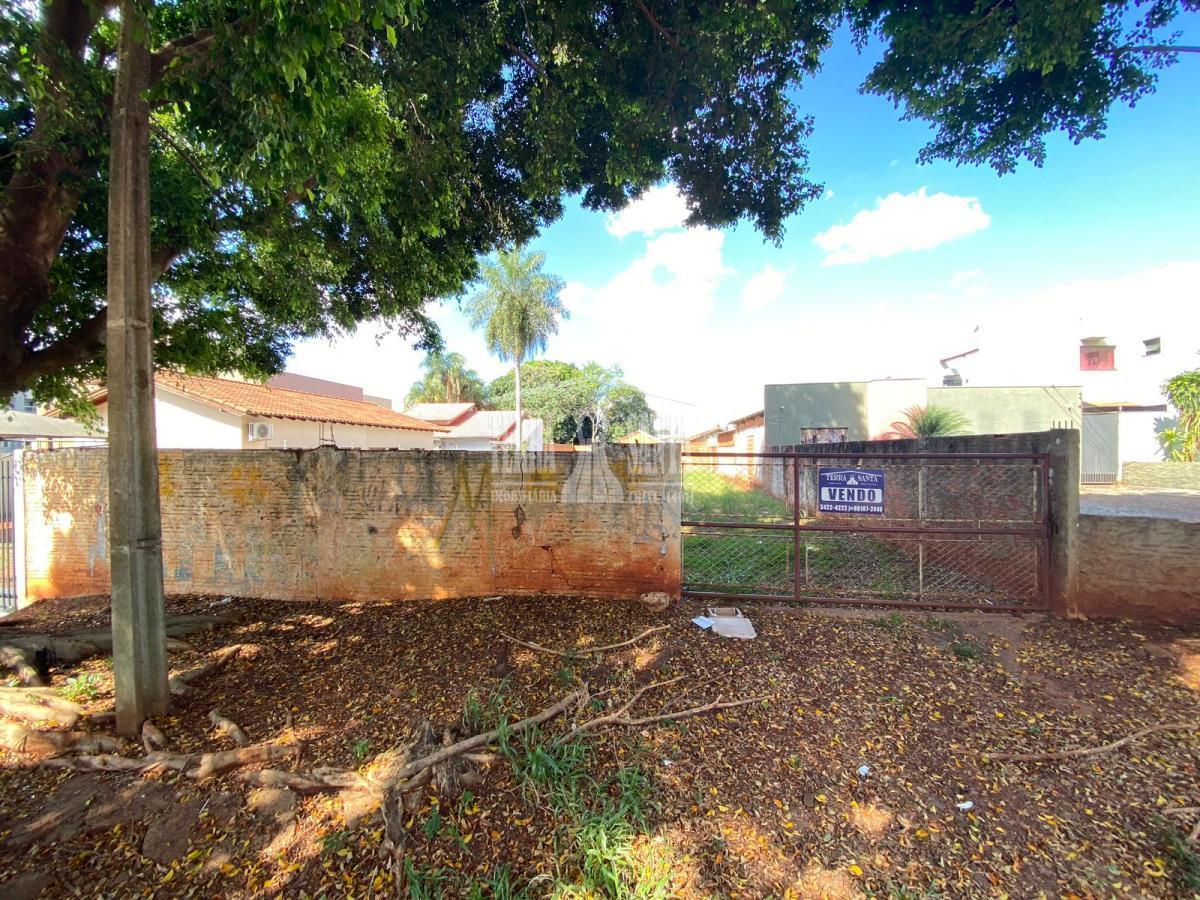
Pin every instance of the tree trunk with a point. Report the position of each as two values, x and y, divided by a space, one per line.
139 633
520 430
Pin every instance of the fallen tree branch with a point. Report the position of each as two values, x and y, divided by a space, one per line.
180 684
624 721
1080 751
582 650
577 698
619 712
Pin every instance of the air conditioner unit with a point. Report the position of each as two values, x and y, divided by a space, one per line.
259 431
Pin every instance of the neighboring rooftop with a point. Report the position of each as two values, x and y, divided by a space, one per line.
249 399
440 413
637 437
24 426
494 424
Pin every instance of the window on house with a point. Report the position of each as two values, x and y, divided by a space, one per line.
1153 346
1097 357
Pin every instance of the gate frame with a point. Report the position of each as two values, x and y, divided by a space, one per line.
1039 530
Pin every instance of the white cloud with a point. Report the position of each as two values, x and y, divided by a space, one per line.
958 279
901 222
658 209
764 287
828 195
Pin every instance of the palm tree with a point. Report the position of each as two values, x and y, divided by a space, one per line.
447 380
518 307
931 421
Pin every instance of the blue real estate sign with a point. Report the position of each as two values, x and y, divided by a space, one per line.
850 491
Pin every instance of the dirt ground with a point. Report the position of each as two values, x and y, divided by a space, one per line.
769 799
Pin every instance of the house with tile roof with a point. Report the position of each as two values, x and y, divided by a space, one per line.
192 411
469 428
449 414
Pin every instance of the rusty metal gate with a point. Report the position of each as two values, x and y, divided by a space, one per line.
921 530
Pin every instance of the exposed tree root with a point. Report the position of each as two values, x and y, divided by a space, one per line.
229 728
194 765
38 704
209 765
1080 751
31 654
40 744
181 684
302 783
584 650
152 738
20 662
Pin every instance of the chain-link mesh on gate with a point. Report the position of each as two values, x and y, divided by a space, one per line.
932 530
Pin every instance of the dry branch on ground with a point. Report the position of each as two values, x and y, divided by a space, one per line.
580 651
1080 751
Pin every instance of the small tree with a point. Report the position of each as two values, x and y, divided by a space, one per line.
931 421
518 308
447 380
1182 443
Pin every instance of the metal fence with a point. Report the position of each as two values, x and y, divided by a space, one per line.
8 549
915 529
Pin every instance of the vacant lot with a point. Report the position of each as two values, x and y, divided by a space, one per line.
761 800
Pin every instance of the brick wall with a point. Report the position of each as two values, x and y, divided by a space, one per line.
1139 568
372 524
1182 475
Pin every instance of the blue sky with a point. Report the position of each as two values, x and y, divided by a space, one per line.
709 317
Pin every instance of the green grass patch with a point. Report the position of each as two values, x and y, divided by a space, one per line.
966 650
81 687
708 495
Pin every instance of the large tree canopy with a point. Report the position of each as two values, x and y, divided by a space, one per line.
577 403
320 163
317 163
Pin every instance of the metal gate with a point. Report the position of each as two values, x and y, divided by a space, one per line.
922 530
1100 461
8 549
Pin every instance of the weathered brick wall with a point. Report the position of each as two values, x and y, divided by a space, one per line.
1139 568
372 524
1182 475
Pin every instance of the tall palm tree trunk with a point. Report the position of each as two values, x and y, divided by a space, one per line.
520 429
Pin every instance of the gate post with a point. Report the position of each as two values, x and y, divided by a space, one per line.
1062 511
18 526
795 460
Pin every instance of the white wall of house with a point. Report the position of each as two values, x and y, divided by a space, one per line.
184 423
298 434
888 398
1040 346
1137 436
534 435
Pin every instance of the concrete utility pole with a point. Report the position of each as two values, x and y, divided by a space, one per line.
135 526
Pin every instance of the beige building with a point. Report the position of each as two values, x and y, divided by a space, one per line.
193 412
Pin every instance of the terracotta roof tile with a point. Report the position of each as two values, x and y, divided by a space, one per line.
282 403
